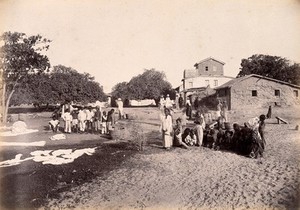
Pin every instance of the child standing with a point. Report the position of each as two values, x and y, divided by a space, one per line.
89 119
74 114
104 121
81 119
110 121
261 130
167 129
198 129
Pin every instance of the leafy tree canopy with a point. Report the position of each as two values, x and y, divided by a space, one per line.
271 66
151 84
60 85
20 55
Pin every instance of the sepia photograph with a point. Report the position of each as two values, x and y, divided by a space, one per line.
150 104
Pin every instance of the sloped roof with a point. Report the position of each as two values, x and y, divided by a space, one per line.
207 90
230 83
211 58
195 89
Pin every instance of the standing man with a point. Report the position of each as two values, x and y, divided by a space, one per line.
161 102
97 119
169 104
180 101
120 108
177 100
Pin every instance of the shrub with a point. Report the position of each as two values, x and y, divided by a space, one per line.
131 132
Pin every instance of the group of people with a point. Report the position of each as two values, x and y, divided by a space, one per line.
175 136
83 119
246 140
165 102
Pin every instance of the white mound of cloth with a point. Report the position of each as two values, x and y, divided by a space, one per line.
18 128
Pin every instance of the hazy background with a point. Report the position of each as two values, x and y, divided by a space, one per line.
115 40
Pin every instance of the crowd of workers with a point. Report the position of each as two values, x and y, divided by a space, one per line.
247 139
85 119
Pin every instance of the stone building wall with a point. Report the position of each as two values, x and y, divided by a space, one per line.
243 93
210 67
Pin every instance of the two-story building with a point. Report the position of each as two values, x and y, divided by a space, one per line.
208 74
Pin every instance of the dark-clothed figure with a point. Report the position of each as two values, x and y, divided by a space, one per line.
261 130
180 101
110 121
269 114
196 103
188 111
97 120
236 138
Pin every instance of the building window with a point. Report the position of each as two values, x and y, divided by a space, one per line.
190 84
296 93
216 83
206 82
206 68
254 92
214 68
277 92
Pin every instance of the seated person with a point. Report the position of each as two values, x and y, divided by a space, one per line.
210 137
219 139
178 135
54 124
236 138
188 137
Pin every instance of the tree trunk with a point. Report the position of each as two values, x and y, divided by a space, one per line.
4 118
6 102
7 105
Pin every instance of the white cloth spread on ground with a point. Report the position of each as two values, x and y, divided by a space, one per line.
16 161
10 133
56 157
31 144
58 137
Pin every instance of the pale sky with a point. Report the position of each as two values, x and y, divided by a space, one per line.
115 40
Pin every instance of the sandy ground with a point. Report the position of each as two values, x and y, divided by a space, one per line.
198 178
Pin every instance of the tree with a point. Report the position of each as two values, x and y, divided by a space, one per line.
151 84
60 85
271 66
20 55
121 90
68 84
